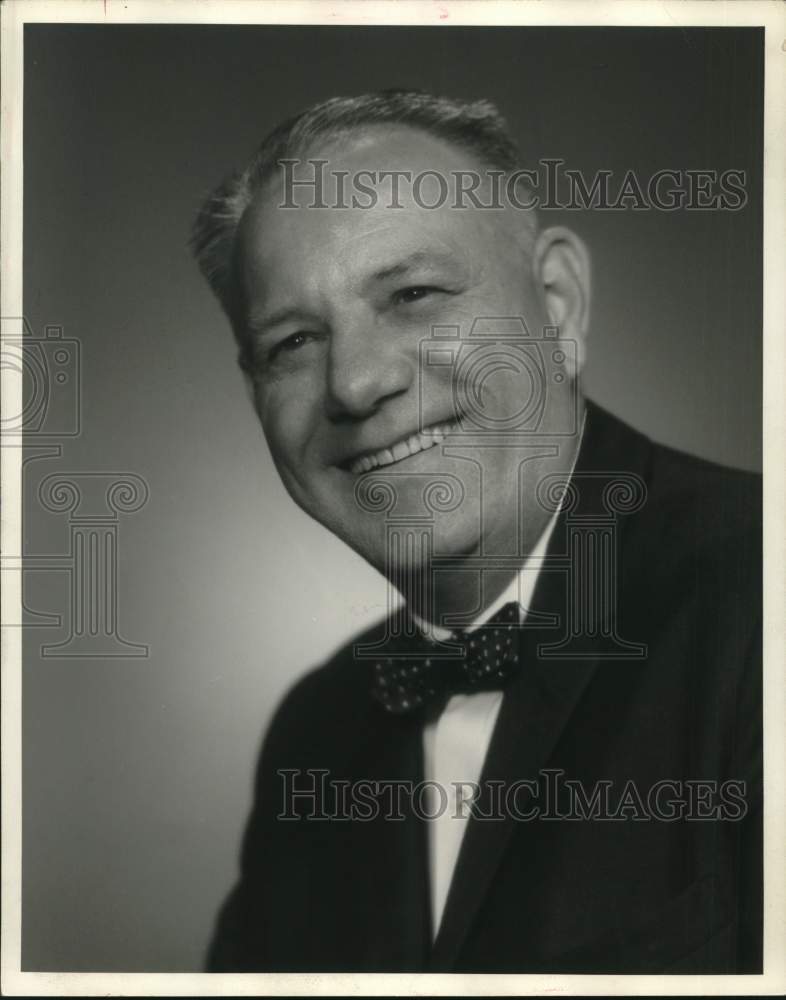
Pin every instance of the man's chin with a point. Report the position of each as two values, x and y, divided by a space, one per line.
400 524
407 549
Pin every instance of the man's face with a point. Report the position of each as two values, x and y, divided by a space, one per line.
341 304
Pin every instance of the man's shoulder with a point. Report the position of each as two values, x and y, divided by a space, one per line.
697 535
700 498
681 475
705 504
332 695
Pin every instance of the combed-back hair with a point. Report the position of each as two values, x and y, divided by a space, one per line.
476 126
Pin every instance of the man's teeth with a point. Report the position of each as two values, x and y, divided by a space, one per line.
402 449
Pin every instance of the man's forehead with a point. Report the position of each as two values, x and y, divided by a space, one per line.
371 239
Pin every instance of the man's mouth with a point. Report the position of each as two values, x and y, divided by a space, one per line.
422 441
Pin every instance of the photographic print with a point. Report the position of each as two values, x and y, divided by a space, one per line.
391 413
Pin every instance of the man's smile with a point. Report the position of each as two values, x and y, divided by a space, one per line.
404 447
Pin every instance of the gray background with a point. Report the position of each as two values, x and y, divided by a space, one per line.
137 773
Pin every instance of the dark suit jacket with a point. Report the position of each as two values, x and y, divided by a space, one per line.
633 894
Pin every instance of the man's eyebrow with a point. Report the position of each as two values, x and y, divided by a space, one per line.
418 259
262 322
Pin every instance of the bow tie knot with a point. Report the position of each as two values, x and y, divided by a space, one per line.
488 657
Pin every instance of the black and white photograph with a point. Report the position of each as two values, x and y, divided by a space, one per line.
394 462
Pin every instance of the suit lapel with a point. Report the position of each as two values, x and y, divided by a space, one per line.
534 712
539 702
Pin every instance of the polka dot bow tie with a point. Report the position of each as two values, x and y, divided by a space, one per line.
491 656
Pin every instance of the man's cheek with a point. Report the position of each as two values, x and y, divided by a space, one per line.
289 428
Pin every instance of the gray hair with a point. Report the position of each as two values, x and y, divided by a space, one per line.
476 126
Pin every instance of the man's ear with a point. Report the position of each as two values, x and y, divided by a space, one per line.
562 269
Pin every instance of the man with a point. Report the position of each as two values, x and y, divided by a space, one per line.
548 760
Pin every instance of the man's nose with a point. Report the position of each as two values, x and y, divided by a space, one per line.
366 366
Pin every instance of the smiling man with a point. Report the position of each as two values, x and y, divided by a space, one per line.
549 758
338 303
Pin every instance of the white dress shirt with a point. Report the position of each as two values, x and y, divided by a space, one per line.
455 744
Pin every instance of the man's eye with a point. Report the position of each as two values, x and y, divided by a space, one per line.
291 343
415 293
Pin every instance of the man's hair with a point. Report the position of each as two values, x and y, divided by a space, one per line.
476 126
